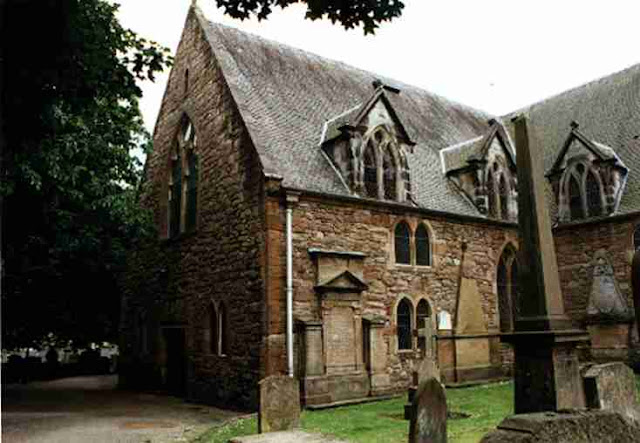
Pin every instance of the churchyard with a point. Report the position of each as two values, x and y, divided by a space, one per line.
474 411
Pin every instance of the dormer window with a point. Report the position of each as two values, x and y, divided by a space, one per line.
499 191
581 189
380 164
588 178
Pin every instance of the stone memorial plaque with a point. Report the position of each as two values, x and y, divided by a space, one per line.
341 349
279 404
429 421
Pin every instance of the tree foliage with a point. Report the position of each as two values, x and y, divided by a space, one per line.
70 121
350 13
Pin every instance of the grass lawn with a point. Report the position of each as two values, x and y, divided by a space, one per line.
383 421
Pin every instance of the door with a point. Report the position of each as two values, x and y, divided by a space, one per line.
176 361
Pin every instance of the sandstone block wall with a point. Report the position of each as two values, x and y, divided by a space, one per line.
347 226
172 282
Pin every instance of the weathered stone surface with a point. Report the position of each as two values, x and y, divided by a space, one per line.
546 362
470 317
279 404
429 420
285 437
606 303
567 427
612 386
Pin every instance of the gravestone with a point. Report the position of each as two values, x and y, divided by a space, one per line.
429 420
612 386
606 302
279 404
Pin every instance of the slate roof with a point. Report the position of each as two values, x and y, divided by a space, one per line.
608 112
289 99
286 95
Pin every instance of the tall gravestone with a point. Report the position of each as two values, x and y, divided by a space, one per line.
429 419
547 375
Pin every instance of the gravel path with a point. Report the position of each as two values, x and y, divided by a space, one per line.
90 409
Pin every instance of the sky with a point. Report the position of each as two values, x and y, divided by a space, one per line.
495 55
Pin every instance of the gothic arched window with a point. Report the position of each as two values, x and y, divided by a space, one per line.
575 199
403 324
491 197
389 174
175 193
594 201
507 285
423 251
183 179
504 198
370 172
402 243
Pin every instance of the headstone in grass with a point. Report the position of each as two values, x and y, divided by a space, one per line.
279 404
429 421
612 386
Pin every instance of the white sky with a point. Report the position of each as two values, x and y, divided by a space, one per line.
496 55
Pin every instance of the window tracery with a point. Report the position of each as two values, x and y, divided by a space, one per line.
581 190
183 181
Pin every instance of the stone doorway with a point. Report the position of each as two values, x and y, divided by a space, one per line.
175 369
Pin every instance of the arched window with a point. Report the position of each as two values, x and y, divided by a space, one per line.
504 198
370 172
403 324
423 313
183 180
224 328
491 197
175 193
507 285
192 190
389 175
575 199
594 200
636 238
402 243
423 252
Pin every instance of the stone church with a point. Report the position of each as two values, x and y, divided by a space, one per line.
321 221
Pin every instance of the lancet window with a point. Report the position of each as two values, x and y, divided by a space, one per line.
410 248
183 181
404 315
581 189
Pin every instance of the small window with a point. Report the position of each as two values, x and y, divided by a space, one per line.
575 199
214 330
370 172
491 197
403 324
224 328
186 81
175 195
402 242
423 253
504 198
389 175
192 191
636 238
594 201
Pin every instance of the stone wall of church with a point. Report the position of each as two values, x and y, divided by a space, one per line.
368 228
172 283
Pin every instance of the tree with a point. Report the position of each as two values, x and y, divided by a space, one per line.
70 120
350 13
